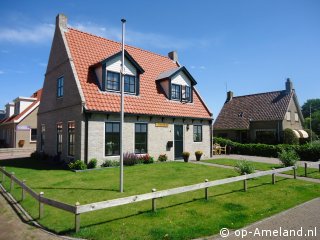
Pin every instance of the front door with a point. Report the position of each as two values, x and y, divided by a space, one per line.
178 141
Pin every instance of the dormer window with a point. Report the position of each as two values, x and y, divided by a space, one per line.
175 92
129 84
186 93
177 84
113 81
108 73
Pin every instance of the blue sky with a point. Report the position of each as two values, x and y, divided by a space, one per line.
244 46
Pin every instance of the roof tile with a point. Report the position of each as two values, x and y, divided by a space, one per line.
86 50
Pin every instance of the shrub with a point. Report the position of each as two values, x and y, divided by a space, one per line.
186 156
146 159
244 167
130 159
92 163
289 137
110 163
39 156
163 157
288 158
309 152
198 154
77 165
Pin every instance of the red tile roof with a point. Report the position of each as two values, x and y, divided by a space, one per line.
237 113
86 50
13 118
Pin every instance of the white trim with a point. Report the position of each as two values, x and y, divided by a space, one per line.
104 142
62 31
30 131
202 101
74 139
27 113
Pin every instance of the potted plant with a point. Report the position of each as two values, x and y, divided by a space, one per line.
198 154
186 156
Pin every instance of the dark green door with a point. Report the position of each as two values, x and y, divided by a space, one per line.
178 141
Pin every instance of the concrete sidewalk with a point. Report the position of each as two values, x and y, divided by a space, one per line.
278 174
261 159
302 220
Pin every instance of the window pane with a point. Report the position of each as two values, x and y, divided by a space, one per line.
116 127
141 138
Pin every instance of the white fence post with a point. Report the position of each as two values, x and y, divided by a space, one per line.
77 218
22 190
154 204
12 182
273 177
206 190
40 205
245 186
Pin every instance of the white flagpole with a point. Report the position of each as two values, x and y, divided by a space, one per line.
122 108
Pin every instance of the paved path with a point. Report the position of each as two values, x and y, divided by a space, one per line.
260 159
278 174
299 220
15 223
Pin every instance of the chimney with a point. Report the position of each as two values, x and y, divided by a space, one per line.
62 21
229 96
173 56
289 86
9 109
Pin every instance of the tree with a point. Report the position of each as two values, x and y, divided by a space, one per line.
315 122
315 106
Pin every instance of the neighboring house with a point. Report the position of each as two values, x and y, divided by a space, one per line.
19 127
80 108
260 117
2 114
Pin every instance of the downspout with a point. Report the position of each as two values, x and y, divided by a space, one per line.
86 132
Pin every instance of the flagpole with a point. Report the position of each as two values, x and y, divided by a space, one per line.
122 107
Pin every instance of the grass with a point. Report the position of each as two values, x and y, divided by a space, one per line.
183 216
312 172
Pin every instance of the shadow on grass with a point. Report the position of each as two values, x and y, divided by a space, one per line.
30 163
151 213
77 188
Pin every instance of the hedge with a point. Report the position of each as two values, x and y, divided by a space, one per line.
307 152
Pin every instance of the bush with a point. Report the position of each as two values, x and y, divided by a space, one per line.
288 158
244 167
309 152
39 156
77 165
198 154
146 159
186 156
130 159
92 163
110 163
289 137
162 158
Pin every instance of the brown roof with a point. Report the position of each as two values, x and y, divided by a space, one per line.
87 50
237 113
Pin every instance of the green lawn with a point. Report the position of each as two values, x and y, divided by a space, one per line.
183 216
312 172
